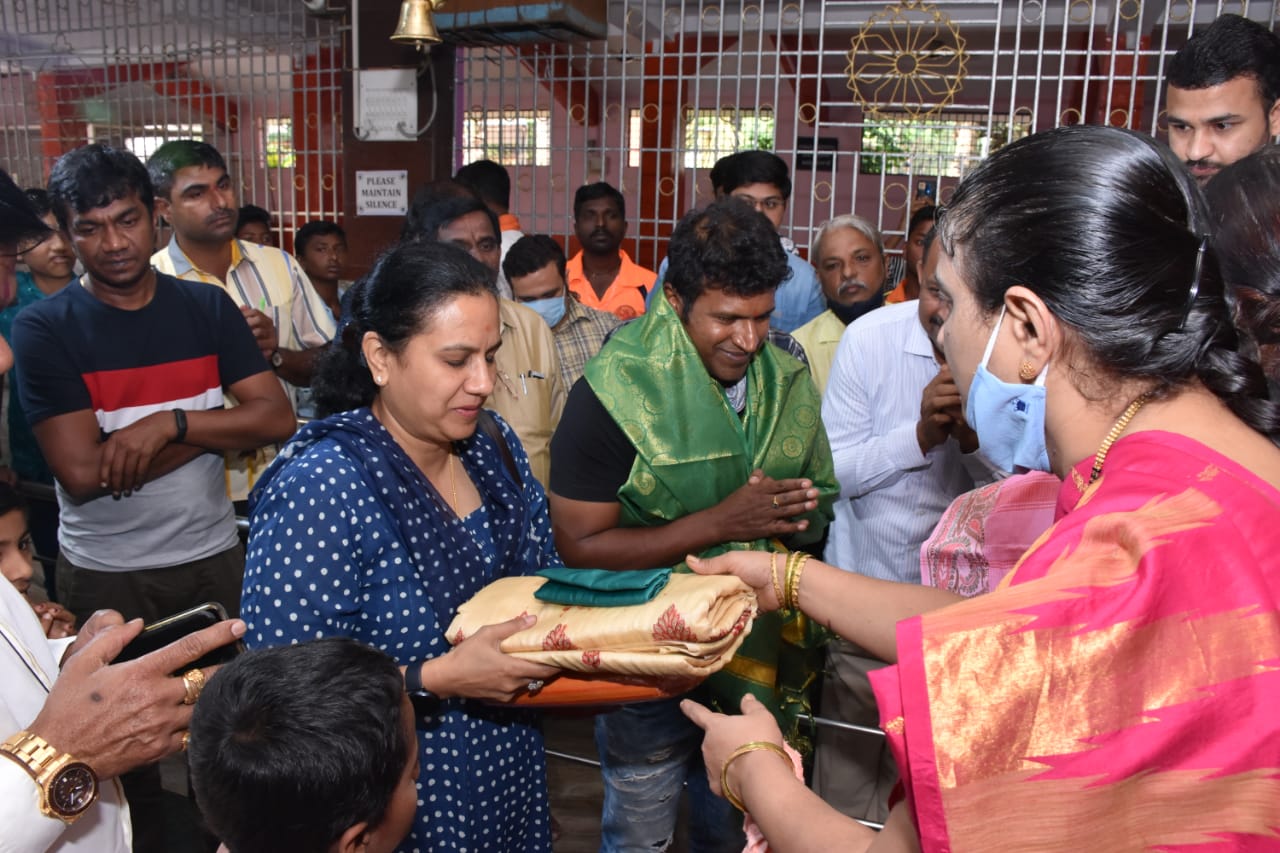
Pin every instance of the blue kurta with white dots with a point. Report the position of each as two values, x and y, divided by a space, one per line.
347 538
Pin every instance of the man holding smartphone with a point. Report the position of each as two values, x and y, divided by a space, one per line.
123 379
70 721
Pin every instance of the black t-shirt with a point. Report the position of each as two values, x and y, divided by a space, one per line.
591 457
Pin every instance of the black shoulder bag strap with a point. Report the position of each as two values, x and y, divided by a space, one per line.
490 428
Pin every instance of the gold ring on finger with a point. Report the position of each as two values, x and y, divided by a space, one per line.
193 683
776 505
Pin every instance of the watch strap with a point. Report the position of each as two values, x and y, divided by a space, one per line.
425 703
45 763
180 418
413 678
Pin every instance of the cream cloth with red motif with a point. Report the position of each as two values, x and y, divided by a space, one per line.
691 628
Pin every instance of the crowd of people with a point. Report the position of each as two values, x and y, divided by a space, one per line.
1014 504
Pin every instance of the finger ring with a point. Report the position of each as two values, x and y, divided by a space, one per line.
186 740
193 683
776 505
534 686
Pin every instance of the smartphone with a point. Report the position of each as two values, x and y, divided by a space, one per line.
927 188
161 633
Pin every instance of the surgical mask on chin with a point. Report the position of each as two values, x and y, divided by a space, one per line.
552 309
1008 417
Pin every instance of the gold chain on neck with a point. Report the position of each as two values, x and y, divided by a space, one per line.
1116 429
453 486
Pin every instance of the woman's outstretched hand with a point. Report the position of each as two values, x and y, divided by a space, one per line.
754 568
725 733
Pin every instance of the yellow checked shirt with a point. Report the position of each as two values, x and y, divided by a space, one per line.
529 392
271 281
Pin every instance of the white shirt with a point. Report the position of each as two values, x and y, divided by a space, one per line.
891 494
28 667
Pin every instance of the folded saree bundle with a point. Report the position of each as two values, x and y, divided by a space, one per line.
690 629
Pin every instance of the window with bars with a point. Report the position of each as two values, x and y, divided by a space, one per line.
509 137
712 134
946 145
155 135
277 138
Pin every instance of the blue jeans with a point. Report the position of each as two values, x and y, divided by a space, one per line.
647 753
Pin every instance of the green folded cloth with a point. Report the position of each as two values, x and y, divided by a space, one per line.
600 587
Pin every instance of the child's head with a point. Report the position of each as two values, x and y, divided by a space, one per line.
17 554
308 748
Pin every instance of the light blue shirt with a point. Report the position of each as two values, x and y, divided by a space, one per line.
891 494
798 299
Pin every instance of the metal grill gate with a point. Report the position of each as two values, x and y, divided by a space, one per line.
259 79
861 98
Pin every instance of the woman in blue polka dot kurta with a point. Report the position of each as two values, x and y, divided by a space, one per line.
378 522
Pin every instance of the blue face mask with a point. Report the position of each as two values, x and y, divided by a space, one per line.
1008 417
552 309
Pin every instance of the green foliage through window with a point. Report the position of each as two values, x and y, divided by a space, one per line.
278 136
947 145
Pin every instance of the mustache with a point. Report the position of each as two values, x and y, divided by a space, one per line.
852 284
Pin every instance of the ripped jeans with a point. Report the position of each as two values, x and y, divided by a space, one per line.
647 753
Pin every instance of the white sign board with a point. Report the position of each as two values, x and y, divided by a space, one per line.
383 193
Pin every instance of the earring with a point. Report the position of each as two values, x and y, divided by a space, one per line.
379 380
1027 371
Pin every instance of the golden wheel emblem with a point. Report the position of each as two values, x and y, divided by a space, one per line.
909 58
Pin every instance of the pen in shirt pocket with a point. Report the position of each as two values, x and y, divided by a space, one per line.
532 374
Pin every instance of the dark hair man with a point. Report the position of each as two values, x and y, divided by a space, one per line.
321 249
903 452
530 392
490 181
291 323
1224 95
308 748
535 267
851 267
919 226
123 379
762 180
653 461
253 225
602 275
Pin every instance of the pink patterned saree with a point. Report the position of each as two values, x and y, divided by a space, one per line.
1120 690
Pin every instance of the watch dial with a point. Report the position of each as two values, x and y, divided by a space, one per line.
73 789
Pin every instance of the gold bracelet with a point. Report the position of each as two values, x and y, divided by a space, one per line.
738 753
793 582
773 575
786 583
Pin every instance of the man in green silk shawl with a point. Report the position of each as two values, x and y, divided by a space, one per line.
690 433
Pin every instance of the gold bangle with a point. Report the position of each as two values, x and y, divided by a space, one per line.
754 745
773 575
786 583
793 586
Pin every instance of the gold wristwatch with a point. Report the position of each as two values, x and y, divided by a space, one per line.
67 787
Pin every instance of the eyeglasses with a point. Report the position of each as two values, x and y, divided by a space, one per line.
772 203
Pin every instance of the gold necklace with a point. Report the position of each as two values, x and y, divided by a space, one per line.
453 486
1116 429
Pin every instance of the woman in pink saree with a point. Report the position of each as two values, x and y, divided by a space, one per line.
1119 689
